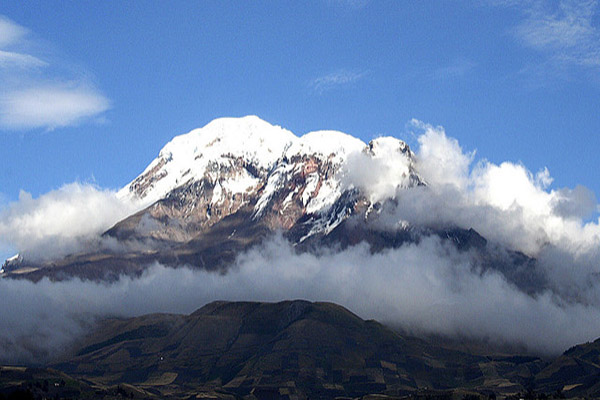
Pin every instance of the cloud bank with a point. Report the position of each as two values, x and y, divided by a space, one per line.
35 93
506 203
424 288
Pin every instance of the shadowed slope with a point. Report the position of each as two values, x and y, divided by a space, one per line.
312 349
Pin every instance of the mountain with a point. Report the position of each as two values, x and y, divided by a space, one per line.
246 165
219 190
291 349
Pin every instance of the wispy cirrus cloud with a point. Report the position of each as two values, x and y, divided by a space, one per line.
11 59
36 93
10 32
565 33
50 106
335 79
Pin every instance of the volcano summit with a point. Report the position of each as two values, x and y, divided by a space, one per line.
220 189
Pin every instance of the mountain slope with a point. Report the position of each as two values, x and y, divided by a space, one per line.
312 350
576 372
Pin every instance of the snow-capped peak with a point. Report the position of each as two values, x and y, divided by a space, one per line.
313 182
10 263
240 157
186 157
326 143
248 137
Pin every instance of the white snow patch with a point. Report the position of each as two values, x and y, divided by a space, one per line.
240 184
276 181
312 180
328 194
289 198
326 144
217 195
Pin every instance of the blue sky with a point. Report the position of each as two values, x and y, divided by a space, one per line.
90 91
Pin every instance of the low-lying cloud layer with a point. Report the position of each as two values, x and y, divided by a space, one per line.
425 287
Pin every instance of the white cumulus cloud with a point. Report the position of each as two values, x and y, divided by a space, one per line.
58 222
443 160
